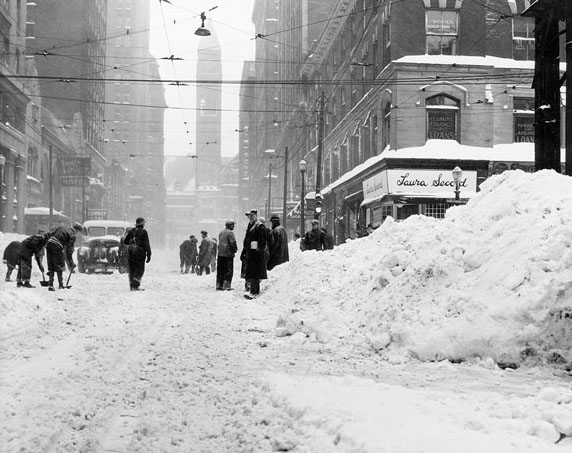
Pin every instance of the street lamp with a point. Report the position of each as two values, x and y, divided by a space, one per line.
457 175
202 31
302 166
272 153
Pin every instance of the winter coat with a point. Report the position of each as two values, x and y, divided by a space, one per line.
227 246
10 256
278 247
313 240
139 237
188 250
205 252
252 255
214 248
64 236
34 245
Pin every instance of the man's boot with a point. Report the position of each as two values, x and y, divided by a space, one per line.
51 281
61 279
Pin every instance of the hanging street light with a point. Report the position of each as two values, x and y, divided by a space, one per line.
202 31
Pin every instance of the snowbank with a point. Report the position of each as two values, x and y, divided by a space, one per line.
492 279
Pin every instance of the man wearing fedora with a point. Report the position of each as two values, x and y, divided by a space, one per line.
252 255
139 249
278 243
227 248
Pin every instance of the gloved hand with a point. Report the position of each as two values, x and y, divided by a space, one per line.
72 268
148 258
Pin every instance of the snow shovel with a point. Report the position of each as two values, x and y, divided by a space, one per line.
68 286
44 282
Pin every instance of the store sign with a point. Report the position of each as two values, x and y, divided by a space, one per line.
441 124
375 186
524 129
496 168
428 181
97 214
74 170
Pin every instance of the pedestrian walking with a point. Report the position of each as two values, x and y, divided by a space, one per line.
278 243
194 253
315 239
32 246
139 253
214 253
10 258
186 255
227 248
252 255
329 239
204 262
59 251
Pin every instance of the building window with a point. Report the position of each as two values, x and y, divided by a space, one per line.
442 30
523 38
523 109
442 117
386 126
343 159
373 136
435 210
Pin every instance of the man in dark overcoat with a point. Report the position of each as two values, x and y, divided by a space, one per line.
227 248
186 250
205 254
315 239
139 249
59 251
278 243
32 246
252 255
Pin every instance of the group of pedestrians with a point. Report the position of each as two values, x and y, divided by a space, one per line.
58 245
197 258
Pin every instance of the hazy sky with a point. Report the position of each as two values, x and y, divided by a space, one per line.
173 26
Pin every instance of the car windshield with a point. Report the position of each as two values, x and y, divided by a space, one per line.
96 231
115 231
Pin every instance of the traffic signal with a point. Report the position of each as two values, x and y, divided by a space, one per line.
318 203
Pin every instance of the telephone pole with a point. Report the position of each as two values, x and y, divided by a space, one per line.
568 142
546 82
317 195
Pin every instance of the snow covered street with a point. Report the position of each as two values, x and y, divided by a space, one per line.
309 366
180 367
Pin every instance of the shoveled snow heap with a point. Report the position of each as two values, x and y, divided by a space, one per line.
491 280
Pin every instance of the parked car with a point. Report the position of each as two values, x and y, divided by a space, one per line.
102 248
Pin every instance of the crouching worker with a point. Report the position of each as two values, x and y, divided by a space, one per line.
31 246
10 258
60 248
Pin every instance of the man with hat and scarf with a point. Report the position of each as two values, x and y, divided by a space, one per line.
252 255
278 243
139 249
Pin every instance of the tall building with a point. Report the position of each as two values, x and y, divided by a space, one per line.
14 103
208 133
392 96
134 115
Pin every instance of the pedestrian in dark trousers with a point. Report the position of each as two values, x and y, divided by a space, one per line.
214 253
278 244
315 239
186 254
204 263
194 253
10 258
59 251
253 254
31 246
139 249
227 248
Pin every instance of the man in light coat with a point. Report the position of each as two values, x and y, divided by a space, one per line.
227 248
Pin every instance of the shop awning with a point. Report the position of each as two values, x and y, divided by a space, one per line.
44 212
419 198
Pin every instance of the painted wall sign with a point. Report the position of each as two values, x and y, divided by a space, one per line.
375 186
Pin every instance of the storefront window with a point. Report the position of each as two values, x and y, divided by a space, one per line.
442 117
442 29
435 210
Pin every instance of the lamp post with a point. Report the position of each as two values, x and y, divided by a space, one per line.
302 166
272 153
268 206
457 175
2 165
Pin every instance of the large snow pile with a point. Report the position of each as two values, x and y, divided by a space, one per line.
491 280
